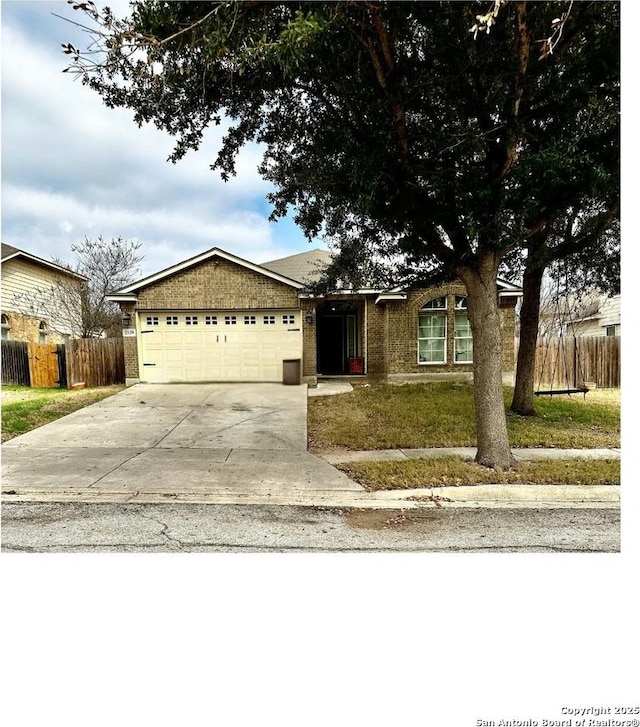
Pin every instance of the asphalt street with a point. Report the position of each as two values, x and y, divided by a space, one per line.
197 528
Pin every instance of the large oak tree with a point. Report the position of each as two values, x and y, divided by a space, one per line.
382 122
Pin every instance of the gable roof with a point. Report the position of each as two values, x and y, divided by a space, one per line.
129 291
297 270
305 267
9 252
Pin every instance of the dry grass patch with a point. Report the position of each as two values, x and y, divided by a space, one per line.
454 472
441 414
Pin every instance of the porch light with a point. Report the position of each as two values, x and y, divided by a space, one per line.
126 319
308 317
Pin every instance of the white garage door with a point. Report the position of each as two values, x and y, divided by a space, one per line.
217 345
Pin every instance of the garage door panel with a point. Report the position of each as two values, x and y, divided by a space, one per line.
224 352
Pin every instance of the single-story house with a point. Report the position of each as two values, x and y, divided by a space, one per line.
217 317
40 299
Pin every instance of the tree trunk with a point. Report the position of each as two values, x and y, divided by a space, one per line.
484 318
522 402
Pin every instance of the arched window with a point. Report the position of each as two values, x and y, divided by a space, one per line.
443 321
432 332
5 328
43 332
463 343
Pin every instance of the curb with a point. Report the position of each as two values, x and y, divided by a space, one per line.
469 496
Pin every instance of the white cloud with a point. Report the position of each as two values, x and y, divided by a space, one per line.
167 233
72 167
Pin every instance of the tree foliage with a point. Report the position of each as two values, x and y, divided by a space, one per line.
388 128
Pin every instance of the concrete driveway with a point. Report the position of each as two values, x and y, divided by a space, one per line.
159 442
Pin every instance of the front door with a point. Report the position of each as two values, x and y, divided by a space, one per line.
331 355
336 337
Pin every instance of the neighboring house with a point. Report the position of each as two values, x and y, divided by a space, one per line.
30 292
602 320
217 317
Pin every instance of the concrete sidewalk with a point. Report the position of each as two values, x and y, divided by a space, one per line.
343 456
253 488
491 495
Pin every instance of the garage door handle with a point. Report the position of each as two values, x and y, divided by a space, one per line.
145 364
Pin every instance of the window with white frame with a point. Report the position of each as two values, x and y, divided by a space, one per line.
152 320
172 320
230 320
289 320
432 332
42 331
191 320
249 320
462 340
211 320
269 320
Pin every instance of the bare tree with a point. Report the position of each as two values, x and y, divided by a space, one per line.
82 309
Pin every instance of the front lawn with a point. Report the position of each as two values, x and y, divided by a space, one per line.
24 408
441 414
453 471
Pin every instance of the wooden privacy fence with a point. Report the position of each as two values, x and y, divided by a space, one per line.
15 363
44 364
95 362
567 361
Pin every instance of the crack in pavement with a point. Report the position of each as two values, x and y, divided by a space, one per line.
173 428
120 464
164 530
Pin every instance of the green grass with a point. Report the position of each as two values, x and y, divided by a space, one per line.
441 414
453 471
24 408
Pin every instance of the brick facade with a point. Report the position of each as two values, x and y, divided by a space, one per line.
387 330
400 344
388 336
217 284
130 345
309 353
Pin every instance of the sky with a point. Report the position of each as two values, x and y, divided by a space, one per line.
72 168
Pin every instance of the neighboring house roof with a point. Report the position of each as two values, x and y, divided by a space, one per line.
9 252
607 312
305 267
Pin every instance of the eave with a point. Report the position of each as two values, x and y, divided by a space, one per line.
45 263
